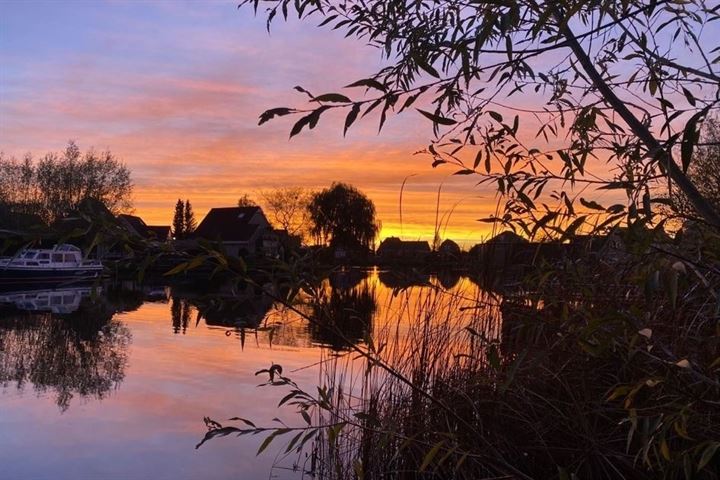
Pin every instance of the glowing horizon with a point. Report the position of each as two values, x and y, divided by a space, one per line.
175 90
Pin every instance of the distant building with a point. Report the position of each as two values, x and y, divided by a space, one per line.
136 226
241 230
503 250
392 249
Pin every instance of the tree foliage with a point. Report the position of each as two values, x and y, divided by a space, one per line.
343 216
288 209
246 201
178 225
555 103
704 170
189 222
57 183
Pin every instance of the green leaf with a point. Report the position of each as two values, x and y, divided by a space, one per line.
177 269
299 125
332 97
690 138
368 82
437 118
708 454
274 112
265 443
591 204
427 67
496 116
690 97
351 117
431 454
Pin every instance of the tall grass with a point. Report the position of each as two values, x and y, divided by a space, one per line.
588 370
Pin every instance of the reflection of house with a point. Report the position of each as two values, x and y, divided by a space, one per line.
241 230
403 278
136 226
392 249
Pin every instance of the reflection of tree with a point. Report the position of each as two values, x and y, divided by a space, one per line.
180 313
241 312
83 354
347 279
448 278
341 315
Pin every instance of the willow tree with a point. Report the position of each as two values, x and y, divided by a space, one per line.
553 102
343 216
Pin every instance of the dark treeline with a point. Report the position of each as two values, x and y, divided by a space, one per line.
50 187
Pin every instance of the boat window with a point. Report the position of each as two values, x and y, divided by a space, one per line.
44 256
28 255
56 300
69 257
68 299
57 257
31 264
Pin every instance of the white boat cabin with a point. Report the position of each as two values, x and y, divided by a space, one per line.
61 256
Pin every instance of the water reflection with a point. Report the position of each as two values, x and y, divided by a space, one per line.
342 316
62 341
150 361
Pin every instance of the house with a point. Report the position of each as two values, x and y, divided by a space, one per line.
242 231
136 226
506 249
392 249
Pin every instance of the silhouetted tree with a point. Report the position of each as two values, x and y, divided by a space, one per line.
189 222
178 225
246 201
704 170
59 182
526 94
343 216
288 209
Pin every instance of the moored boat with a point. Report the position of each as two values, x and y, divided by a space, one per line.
62 263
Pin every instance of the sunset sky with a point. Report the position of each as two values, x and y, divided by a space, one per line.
174 89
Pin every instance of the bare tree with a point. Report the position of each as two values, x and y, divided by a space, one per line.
246 201
58 182
288 209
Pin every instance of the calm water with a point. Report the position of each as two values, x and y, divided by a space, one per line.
115 383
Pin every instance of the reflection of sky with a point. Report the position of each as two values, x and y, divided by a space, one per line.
148 426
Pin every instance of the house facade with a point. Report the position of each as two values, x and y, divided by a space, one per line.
242 231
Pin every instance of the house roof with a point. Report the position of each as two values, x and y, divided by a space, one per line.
395 245
160 232
229 224
135 223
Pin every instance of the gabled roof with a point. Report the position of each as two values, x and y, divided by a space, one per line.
160 232
135 223
392 245
138 226
229 224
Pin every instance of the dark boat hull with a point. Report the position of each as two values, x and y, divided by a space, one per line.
11 276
